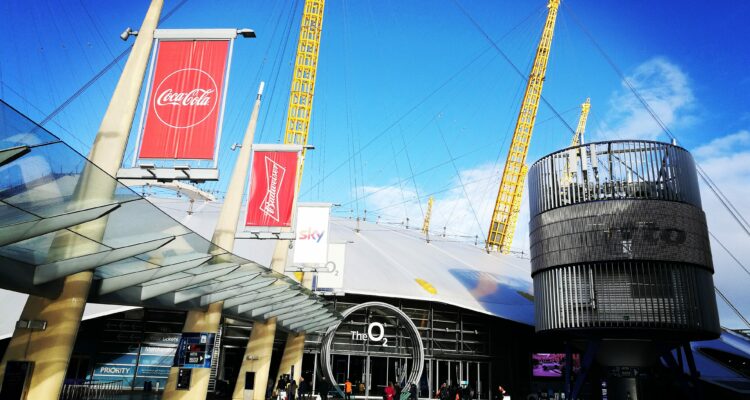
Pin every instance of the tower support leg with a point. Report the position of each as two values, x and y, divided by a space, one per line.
586 363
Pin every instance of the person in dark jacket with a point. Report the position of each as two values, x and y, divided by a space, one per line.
413 392
304 388
291 390
323 388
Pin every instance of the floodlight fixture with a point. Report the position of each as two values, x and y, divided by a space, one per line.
246 33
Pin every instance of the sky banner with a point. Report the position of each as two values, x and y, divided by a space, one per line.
311 244
185 101
273 181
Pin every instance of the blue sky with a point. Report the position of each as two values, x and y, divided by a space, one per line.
403 84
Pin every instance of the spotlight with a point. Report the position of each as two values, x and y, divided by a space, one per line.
246 33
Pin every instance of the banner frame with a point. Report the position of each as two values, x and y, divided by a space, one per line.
177 35
272 232
327 205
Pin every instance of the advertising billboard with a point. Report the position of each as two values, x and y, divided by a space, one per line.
311 241
273 182
552 365
332 277
185 101
195 350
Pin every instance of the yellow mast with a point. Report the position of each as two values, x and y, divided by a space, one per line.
578 137
427 215
303 79
508 203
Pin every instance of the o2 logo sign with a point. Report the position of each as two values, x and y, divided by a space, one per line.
371 335
376 334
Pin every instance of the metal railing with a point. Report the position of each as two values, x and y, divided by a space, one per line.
93 390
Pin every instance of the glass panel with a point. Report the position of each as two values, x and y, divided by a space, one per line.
339 369
379 374
51 247
17 130
357 371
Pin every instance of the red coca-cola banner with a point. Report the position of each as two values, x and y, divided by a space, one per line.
185 100
273 180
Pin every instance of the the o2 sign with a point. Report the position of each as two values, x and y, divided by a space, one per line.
375 333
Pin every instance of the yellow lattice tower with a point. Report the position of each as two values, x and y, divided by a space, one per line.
577 139
303 79
427 215
508 203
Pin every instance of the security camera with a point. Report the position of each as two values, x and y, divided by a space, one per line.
235 146
127 33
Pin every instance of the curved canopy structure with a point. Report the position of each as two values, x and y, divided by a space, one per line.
144 258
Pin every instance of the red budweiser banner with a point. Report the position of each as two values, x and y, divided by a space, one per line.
185 100
273 180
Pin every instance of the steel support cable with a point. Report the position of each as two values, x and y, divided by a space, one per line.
356 143
723 199
276 66
103 71
458 175
709 182
730 253
427 195
398 176
424 171
513 65
350 139
421 102
729 303
704 176
416 189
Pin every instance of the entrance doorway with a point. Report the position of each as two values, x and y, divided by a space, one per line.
473 374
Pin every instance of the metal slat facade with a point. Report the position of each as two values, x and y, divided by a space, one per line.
619 240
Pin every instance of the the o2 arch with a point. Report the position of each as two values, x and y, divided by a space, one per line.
416 340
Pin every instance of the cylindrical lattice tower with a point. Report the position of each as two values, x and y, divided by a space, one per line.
619 243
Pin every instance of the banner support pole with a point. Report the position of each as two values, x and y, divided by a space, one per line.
49 350
226 229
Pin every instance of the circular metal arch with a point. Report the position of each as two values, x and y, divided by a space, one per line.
416 340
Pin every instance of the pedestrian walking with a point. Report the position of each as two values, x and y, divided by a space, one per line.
304 389
501 393
390 392
291 390
323 388
348 389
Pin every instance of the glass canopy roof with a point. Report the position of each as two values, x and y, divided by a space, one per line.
60 214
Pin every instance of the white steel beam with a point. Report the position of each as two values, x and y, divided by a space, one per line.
265 292
300 315
109 285
25 230
157 289
58 269
253 286
265 302
289 308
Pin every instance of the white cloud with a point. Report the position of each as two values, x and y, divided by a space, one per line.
723 145
726 160
665 87
462 214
